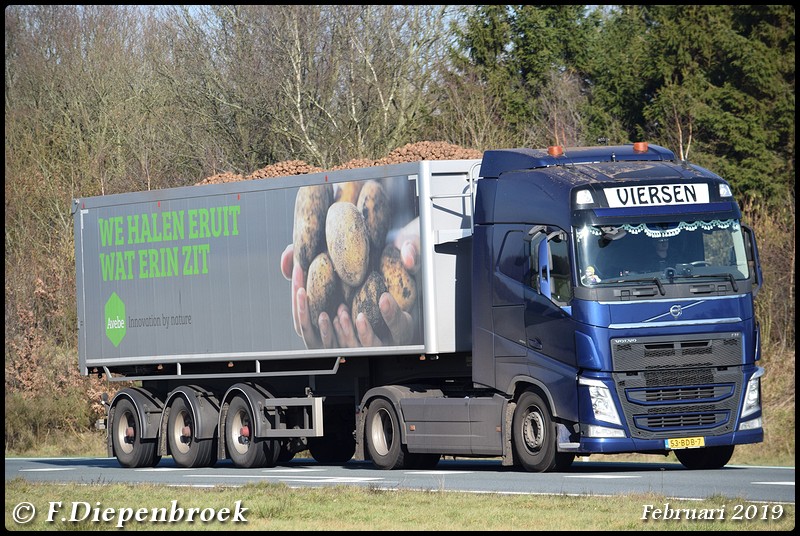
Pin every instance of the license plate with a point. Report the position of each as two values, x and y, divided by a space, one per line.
685 442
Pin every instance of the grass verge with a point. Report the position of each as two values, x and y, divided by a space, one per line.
278 507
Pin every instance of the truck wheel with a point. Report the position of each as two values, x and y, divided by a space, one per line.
705 458
186 449
339 443
422 460
533 434
286 454
564 461
383 436
129 447
244 449
336 448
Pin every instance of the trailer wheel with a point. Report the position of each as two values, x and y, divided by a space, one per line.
244 448
383 436
130 448
533 434
705 458
186 449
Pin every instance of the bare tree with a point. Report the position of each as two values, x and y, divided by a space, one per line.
558 118
353 77
674 110
469 115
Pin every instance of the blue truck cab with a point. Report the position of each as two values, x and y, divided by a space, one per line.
622 281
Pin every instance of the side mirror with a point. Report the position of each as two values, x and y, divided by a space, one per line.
752 258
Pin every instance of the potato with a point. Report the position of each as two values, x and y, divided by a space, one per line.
374 205
310 208
348 243
347 192
367 301
401 284
323 288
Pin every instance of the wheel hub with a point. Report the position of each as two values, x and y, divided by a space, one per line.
533 431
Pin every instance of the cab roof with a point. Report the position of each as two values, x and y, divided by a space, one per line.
497 162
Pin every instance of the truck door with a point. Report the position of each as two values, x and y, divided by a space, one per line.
548 324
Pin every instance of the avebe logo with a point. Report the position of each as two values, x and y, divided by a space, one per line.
115 319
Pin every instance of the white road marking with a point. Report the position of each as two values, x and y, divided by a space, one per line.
601 476
774 483
432 472
162 469
310 480
48 469
294 470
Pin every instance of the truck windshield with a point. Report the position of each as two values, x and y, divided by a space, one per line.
668 252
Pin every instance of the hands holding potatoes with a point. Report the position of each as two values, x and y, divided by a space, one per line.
349 287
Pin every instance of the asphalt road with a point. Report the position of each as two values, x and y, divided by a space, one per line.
596 478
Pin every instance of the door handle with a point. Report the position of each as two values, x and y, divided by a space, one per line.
535 343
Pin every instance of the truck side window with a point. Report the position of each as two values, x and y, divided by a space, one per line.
560 272
512 261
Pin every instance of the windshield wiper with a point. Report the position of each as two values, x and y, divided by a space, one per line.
726 275
640 280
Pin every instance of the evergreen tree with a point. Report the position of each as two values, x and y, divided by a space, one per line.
723 79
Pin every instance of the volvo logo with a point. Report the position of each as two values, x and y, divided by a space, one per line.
675 311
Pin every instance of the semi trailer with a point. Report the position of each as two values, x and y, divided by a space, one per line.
530 306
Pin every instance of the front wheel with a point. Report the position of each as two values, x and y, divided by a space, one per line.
130 448
534 436
705 458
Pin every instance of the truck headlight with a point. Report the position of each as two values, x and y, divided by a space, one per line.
602 401
752 396
752 424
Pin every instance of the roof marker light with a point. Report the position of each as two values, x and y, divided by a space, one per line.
555 150
584 197
640 147
725 191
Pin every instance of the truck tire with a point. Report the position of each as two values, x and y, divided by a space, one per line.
286 454
130 448
705 458
244 449
422 460
534 434
383 436
332 449
339 443
187 450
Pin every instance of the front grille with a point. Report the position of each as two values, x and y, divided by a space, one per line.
693 376
671 387
681 421
657 353
679 394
